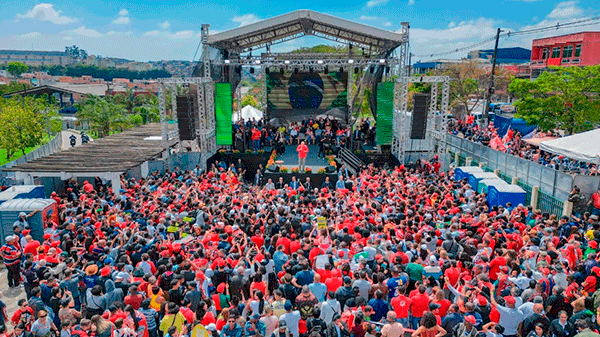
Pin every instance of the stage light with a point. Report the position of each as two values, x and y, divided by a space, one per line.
320 61
382 61
251 70
227 61
350 61
257 61
287 62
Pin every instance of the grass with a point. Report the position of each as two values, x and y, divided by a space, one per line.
19 154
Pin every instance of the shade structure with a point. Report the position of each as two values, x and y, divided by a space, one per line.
583 146
248 113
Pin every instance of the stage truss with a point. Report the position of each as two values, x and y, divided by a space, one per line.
437 123
206 128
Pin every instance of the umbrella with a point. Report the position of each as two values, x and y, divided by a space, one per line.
277 121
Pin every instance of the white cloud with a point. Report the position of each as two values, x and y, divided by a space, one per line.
122 20
123 12
373 3
46 12
165 25
113 32
431 41
566 9
180 35
152 33
31 35
68 38
411 2
368 18
245 20
387 24
87 32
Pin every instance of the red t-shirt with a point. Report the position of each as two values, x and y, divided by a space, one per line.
419 304
444 305
31 247
135 301
495 265
400 304
453 274
333 283
596 200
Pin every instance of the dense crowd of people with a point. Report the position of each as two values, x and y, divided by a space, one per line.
514 144
399 251
329 133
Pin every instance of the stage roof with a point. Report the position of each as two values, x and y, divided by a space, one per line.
115 153
304 22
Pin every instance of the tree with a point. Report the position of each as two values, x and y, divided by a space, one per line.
12 87
16 68
76 53
104 115
147 108
465 84
250 100
22 124
562 98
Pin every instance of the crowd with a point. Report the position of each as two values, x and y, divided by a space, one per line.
328 133
514 144
401 251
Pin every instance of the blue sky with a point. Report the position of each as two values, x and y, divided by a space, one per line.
165 30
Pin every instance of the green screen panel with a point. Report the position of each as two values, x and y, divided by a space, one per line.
385 112
223 111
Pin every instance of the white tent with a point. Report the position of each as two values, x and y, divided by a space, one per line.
583 146
248 112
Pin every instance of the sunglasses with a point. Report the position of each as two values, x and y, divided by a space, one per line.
42 316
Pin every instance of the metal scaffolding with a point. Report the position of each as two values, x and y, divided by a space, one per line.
205 129
435 136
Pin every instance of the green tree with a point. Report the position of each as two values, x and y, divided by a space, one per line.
250 100
16 68
104 115
147 108
563 98
22 124
12 87
465 84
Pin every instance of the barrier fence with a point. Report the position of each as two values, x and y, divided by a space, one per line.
554 186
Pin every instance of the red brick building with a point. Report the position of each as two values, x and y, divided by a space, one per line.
578 49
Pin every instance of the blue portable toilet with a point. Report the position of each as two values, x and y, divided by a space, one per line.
9 213
462 172
483 185
475 177
501 194
22 192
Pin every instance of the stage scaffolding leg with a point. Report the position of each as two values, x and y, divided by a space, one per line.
163 119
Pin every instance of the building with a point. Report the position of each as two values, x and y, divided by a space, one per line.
514 55
578 49
36 58
428 66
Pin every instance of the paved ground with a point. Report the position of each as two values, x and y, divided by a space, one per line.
10 296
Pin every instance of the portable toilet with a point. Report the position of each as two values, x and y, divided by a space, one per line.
9 213
462 172
483 185
475 177
501 194
22 192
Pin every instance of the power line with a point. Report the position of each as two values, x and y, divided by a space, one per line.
573 24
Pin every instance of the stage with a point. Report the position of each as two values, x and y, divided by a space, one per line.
290 158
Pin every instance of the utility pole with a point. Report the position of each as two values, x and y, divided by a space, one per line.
486 108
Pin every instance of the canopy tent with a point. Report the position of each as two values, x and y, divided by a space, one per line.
535 141
583 146
248 112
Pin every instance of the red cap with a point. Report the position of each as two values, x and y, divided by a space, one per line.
470 319
221 288
482 300
47 236
509 300
200 275
592 244
105 271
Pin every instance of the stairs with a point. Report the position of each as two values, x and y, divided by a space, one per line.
352 162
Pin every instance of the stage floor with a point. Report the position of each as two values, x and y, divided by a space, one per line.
290 158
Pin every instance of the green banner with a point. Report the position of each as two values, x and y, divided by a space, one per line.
385 112
223 111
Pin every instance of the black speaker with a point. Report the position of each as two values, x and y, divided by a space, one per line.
330 169
273 168
326 70
251 70
186 120
418 126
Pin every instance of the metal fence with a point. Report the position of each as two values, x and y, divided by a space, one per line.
550 181
549 204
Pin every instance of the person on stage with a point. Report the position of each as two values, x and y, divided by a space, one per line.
302 150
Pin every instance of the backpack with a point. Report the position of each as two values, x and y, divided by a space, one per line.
316 326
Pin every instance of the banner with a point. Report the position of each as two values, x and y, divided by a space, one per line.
385 112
